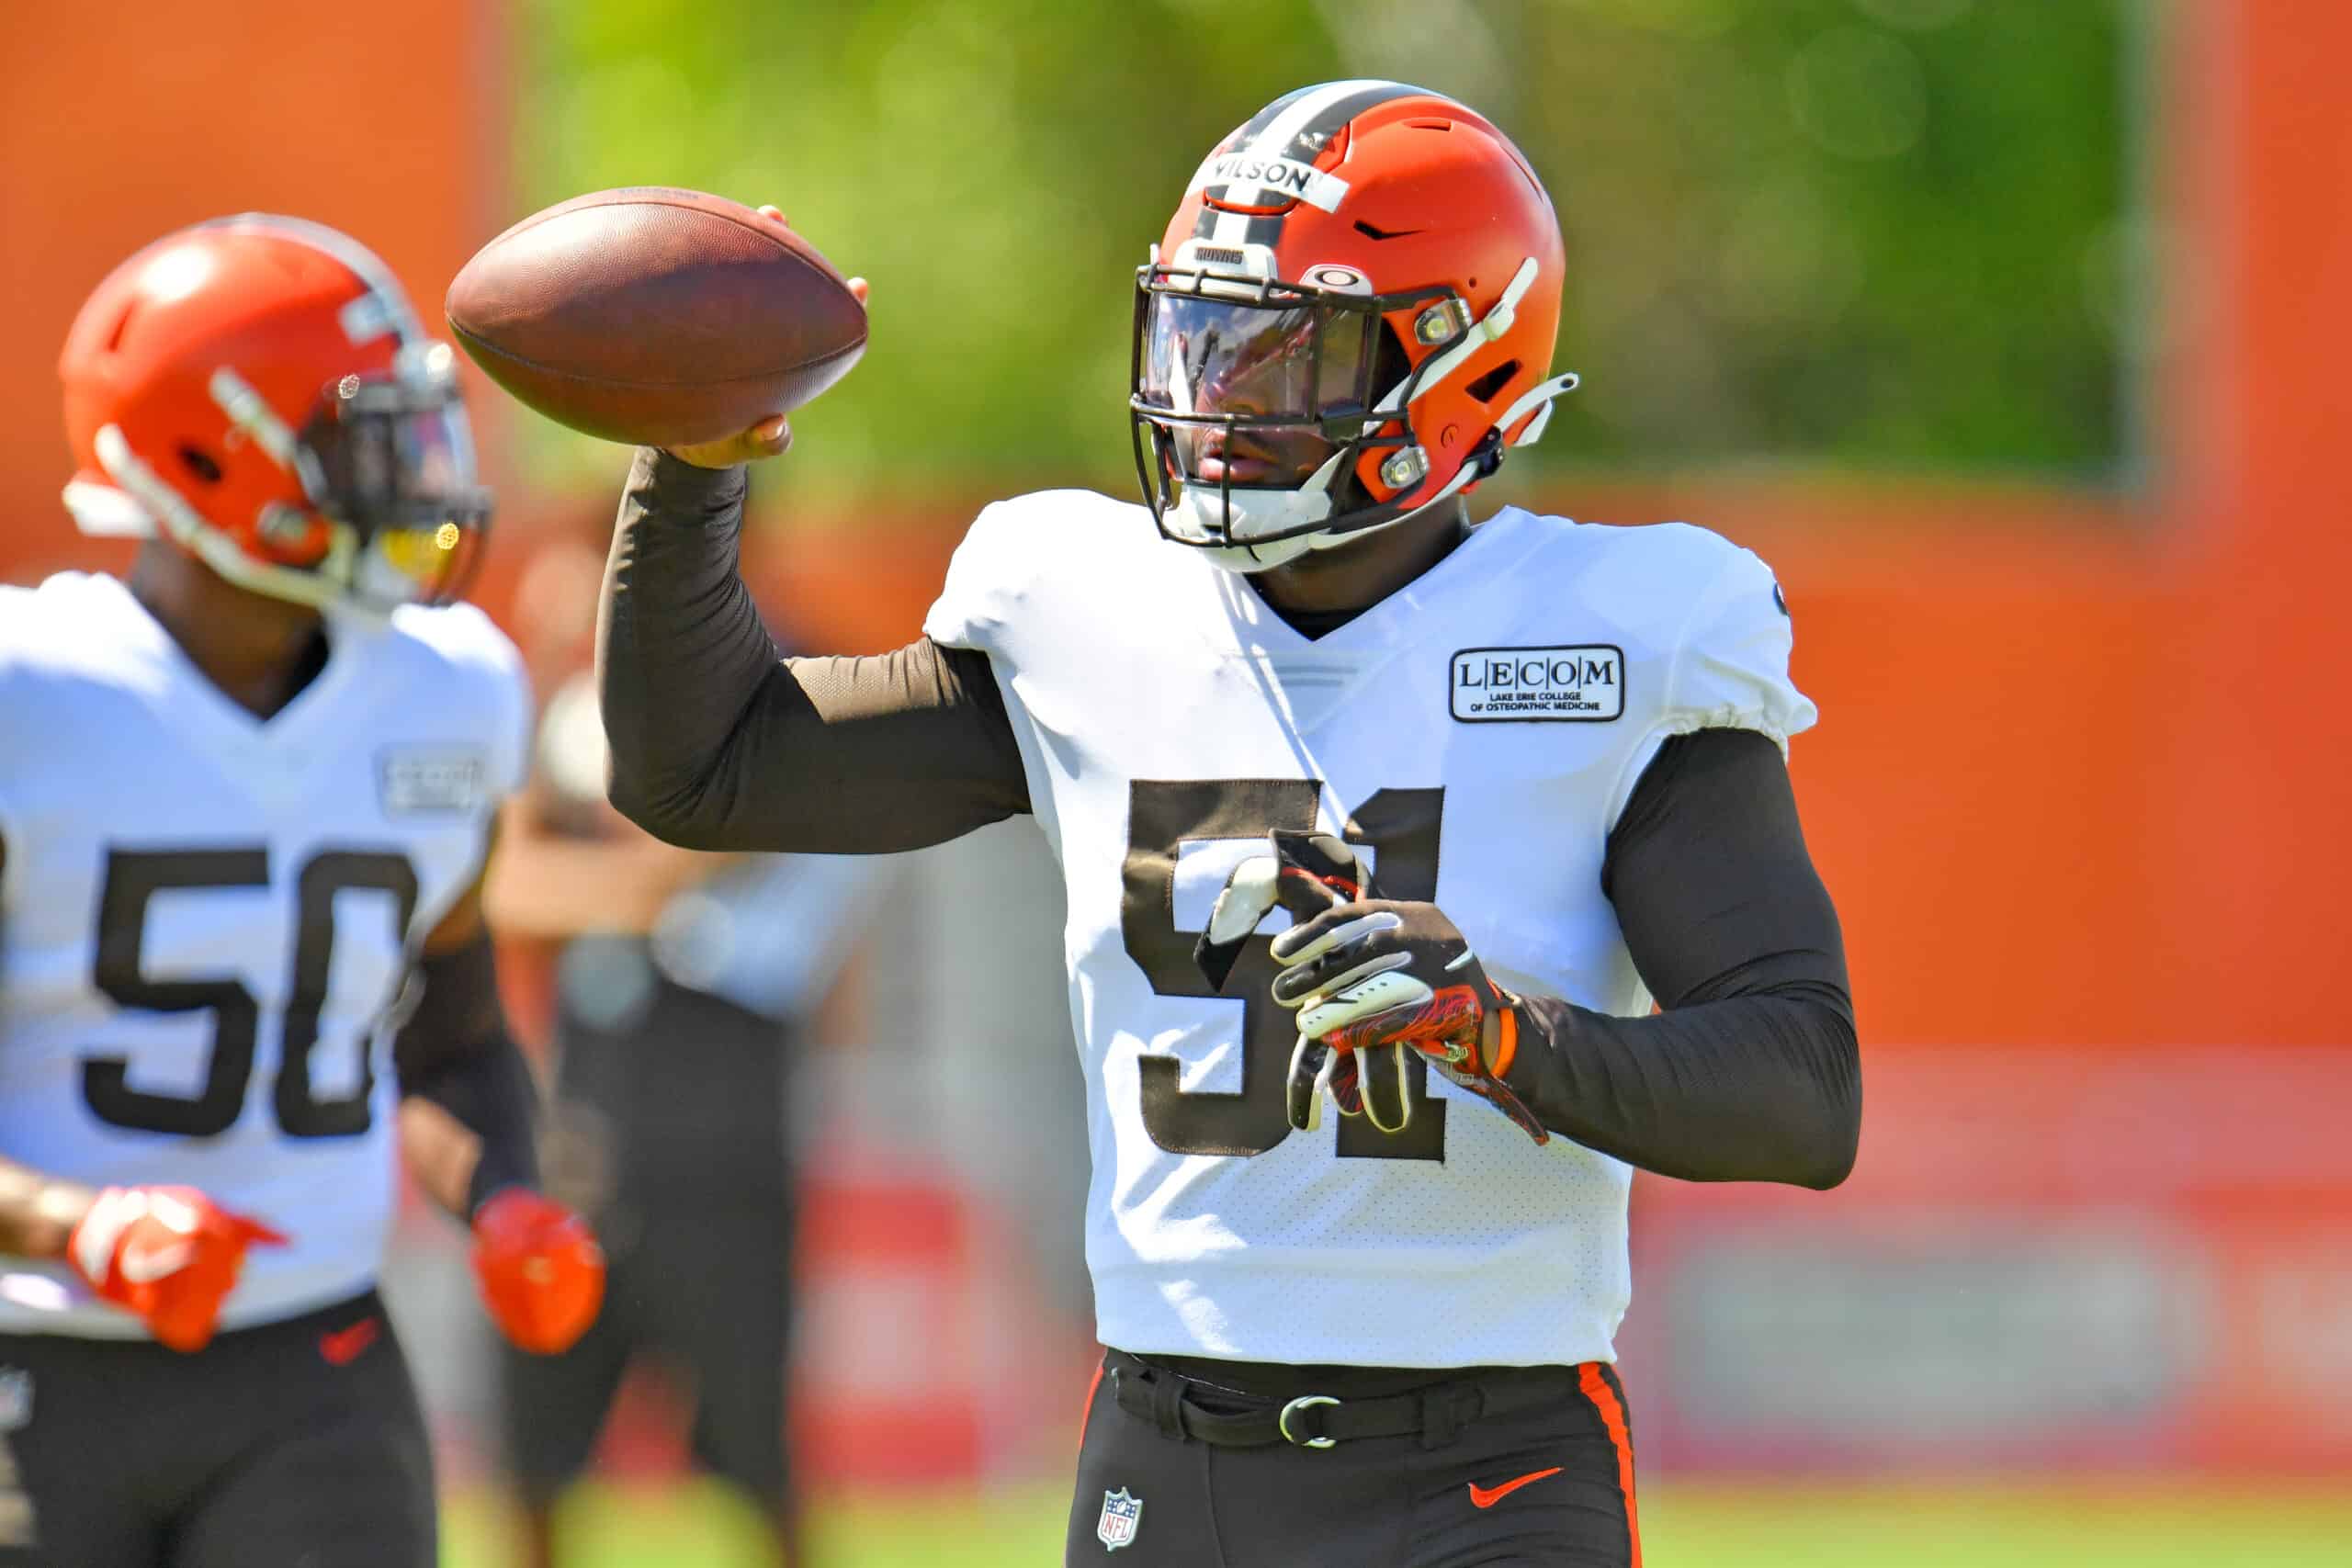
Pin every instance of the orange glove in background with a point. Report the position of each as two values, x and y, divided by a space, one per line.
168 1253
541 1272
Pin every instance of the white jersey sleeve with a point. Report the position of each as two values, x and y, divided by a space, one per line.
1732 669
1723 633
1036 577
996 570
970 606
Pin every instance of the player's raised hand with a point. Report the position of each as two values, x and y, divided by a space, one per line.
1381 972
541 1272
772 437
169 1254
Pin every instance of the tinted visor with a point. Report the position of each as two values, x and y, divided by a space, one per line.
390 458
1256 380
1290 362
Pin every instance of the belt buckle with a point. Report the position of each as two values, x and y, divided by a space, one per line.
1282 1423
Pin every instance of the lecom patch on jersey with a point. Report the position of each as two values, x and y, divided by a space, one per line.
412 780
1500 685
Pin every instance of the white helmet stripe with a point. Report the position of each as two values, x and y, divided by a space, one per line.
236 397
1322 109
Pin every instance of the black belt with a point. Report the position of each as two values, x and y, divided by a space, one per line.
1435 1412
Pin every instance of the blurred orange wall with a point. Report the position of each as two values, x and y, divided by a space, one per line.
121 119
2080 775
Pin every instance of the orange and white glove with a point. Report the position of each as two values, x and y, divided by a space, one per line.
169 1254
1369 973
541 1272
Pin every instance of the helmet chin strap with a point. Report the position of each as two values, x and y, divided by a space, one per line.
1211 512
1247 560
1331 540
1311 501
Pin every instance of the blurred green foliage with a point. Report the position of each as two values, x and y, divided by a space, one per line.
1856 233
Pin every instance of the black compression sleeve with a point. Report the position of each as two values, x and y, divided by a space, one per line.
455 1051
719 743
1752 1073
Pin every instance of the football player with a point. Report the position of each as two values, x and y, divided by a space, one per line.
1509 780
682 984
244 804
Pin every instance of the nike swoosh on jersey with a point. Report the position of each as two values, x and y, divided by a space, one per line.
1488 1496
145 1265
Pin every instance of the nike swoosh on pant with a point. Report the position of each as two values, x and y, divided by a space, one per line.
343 1346
1488 1496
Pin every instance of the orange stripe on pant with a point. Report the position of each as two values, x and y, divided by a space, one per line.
1086 1411
1593 1378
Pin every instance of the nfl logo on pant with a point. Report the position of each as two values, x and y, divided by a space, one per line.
1121 1514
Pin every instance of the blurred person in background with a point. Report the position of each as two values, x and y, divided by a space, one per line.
1510 781
246 797
682 983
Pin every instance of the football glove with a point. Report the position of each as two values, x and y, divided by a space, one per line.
1376 972
1305 874
541 1272
168 1253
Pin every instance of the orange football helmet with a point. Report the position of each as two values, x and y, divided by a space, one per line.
1350 318
259 390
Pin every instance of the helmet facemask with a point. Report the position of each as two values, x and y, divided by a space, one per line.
1254 402
388 461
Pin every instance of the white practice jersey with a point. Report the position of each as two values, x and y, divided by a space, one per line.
206 919
1479 732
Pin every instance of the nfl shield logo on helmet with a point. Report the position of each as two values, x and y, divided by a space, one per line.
1121 1514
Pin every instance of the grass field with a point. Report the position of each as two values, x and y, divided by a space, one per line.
1975 1526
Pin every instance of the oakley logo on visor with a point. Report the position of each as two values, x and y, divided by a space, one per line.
1275 179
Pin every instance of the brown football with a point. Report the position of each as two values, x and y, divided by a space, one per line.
656 316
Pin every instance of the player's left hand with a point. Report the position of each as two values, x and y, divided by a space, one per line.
541 1272
169 1254
1376 972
